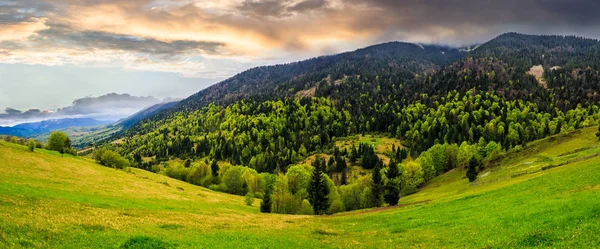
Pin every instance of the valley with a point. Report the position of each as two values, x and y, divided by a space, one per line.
45 203
395 145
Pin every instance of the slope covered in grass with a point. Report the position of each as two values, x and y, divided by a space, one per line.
52 202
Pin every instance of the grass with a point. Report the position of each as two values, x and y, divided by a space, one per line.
382 144
48 201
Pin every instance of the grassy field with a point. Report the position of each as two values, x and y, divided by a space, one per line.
49 201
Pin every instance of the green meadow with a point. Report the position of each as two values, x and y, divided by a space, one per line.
50 201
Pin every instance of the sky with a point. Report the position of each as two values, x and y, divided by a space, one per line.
53 52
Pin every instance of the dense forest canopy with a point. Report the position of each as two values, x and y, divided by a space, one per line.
473 104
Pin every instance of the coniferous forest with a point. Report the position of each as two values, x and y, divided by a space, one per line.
449 107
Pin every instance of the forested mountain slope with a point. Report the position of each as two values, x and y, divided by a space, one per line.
395 59
270 117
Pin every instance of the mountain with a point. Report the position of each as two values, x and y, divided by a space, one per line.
402 60
127 122
269 118
525 51
82 137
36 128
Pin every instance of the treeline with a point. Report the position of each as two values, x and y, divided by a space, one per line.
335 186
269 136
266 136
58 141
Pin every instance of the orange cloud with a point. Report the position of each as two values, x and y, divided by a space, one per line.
22 30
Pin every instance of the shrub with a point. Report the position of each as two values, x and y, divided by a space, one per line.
306 208
31 145
110 158
336 206
249 200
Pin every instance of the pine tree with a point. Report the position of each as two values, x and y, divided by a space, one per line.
214 167
340 164
265 204
344 180
472 169
377 184
392 188
318 190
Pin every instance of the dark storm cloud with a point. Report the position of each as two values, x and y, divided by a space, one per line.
308 5
280 8
104 40
12 111
469 20
263 8
16 11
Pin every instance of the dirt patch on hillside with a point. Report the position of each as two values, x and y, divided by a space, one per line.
538 73
307 93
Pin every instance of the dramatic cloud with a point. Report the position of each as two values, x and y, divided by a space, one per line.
209 40
185 36
107 107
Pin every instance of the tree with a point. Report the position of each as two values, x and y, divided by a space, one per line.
31 144
265 204
598 133
58 141
234 182
393 185
413 176
318 188
377 184
344 179
214 168
472 169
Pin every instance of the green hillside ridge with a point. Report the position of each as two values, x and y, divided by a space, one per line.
51 201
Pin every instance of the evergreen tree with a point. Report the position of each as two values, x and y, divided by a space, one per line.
214 167
318 190
392 188
377 184
472 169
266 203
340 164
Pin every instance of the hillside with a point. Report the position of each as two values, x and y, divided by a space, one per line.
391 88
464 114
63 202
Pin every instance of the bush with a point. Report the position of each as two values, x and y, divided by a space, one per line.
306 208
336 206
249 200
111 159
31 145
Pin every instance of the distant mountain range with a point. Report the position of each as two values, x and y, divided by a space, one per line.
37 128
82 136
82 131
